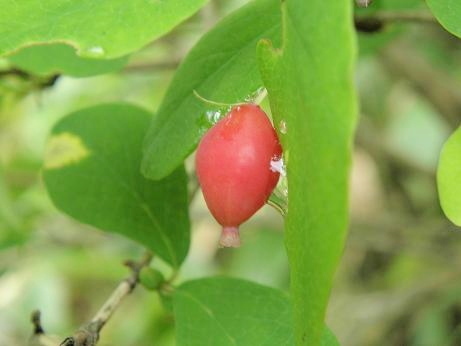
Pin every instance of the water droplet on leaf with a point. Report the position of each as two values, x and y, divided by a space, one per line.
283 127
256 96
96 51
213 116
277 165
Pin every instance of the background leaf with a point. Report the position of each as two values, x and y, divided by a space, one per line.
448 13
312 97
221 67
225 311
92 173
449 178
104 28
61 59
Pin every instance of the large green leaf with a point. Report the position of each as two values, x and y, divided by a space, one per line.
310 84
448 13
225 311
102 28
61 59
221 67
91 172
449 178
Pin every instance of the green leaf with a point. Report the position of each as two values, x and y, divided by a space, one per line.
328 338
449 178
61 59
221 67
103 28
310 85
448 13
224 311
91 172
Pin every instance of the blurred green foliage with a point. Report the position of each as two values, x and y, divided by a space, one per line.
398 283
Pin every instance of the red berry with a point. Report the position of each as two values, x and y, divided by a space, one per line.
234 167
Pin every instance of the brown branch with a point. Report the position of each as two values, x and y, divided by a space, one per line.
88 335
123 289
39 338
417 16
40 82
14 72
378 20
35 319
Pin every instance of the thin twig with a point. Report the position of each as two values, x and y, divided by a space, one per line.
14 72
40 82
376 21
35 319
39 338
123 289
418 16
88 335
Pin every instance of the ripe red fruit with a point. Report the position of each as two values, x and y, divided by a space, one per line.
234 169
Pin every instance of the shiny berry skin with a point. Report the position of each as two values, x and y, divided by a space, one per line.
234 169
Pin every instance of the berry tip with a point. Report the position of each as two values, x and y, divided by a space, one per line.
230 237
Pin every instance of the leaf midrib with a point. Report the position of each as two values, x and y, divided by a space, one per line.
208 312
144 206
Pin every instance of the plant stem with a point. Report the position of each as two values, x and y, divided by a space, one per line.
123 289
404 16
88 335
376 21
